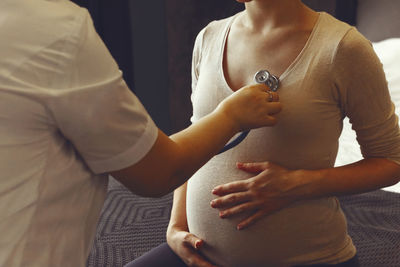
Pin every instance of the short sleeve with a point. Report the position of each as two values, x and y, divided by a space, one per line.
96 111
365 98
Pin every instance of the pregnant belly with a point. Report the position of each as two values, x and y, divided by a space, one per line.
299 234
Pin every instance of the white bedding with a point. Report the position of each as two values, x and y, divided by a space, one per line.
389 53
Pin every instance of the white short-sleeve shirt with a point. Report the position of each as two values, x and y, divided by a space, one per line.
66 118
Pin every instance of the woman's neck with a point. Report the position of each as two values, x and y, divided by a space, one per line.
266 15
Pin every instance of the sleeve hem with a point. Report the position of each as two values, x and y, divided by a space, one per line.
132 155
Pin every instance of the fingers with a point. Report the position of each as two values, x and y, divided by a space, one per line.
272 96
264 88
245 207
186 246
193 241
231 199
194 259
259 86
251 220
255 167
252 106
274 108
237 186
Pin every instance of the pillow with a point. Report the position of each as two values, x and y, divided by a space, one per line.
388 52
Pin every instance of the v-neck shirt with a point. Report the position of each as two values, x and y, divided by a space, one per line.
287 70
336 74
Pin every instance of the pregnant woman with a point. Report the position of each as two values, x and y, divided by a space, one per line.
327 71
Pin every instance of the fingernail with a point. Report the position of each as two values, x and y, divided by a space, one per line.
221 214
212 203
215 191
239 227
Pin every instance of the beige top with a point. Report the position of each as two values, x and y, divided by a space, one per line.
337 74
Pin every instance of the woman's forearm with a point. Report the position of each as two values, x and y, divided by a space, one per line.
275 187
362 176
178 213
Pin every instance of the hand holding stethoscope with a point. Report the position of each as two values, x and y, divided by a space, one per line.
262 77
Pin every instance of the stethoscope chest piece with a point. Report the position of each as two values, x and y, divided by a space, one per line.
263 76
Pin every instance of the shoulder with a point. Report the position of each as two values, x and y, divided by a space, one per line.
331 32
354 43
217 26
340 40
49 18
51 10
41 33
354 50
213 30
348 37
333 25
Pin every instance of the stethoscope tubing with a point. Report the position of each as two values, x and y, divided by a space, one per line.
262 77
235 142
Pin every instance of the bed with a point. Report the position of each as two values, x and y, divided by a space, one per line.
131 225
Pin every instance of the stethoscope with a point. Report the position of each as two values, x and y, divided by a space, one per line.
262 77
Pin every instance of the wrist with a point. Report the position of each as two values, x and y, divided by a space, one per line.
224 117
173 233
176 227
308 183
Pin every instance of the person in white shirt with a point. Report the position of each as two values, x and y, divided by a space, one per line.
67 120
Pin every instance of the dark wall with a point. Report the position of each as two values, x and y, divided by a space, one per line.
152 42
150 58
386 19
135 33
112 21
184 20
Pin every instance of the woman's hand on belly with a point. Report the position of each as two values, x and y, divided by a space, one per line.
261 195
186 246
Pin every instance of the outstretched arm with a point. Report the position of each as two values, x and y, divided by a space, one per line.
171 161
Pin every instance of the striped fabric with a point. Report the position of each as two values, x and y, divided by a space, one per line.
130 226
